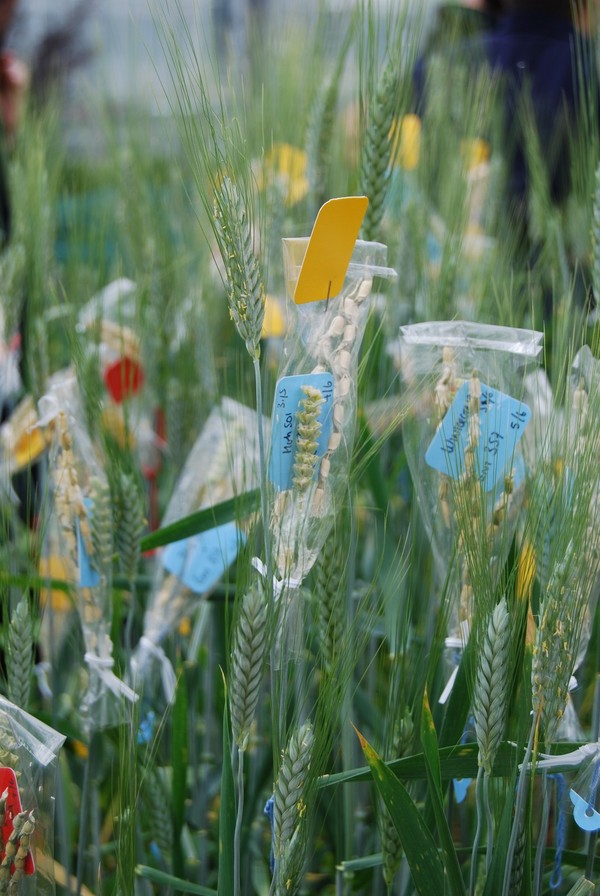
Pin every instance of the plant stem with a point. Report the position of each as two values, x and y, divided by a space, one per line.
237 836
519 806
84 812
542 837
490 824
477 837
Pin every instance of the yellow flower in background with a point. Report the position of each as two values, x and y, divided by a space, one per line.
526 570
286 165
475 152
407 142
274 321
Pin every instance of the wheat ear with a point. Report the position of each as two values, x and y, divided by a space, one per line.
19 659
377 151
491 686
247 664
289 811
242 268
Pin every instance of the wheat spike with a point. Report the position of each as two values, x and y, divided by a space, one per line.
491 686
160 823
101 526
242 268
290 810
391 847
328 592
553 649
377 152
19 659
247 664
309 430
130 526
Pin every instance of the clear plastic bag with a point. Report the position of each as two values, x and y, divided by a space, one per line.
463 387
81 512
29 765
222 463
314 408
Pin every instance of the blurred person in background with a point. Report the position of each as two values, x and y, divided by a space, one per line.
461 21
539 61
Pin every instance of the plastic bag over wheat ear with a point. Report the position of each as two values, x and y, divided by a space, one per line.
80 511
314 409
463 385
29 752
222 464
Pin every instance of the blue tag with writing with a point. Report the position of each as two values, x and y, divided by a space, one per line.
502 422
201 560
88 576
288 395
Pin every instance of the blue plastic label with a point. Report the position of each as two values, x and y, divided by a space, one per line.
586 817
201 560
502 423
461 785
288 395
88 576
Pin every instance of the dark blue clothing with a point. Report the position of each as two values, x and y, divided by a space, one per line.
545 68
548 70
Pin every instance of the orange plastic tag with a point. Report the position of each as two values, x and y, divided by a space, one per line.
330 249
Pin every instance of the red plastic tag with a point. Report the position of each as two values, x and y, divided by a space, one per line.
8 781
123 379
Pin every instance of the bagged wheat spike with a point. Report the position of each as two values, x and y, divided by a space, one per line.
463 385
80 505
29 752
314 407
223 463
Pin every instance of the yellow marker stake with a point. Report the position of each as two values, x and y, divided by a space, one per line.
330 249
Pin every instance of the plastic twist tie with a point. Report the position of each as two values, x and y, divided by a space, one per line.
103 667
167 674
279 585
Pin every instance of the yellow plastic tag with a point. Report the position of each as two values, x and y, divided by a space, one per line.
29 447
330 248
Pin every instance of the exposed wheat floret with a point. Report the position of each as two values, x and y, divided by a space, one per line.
247 663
